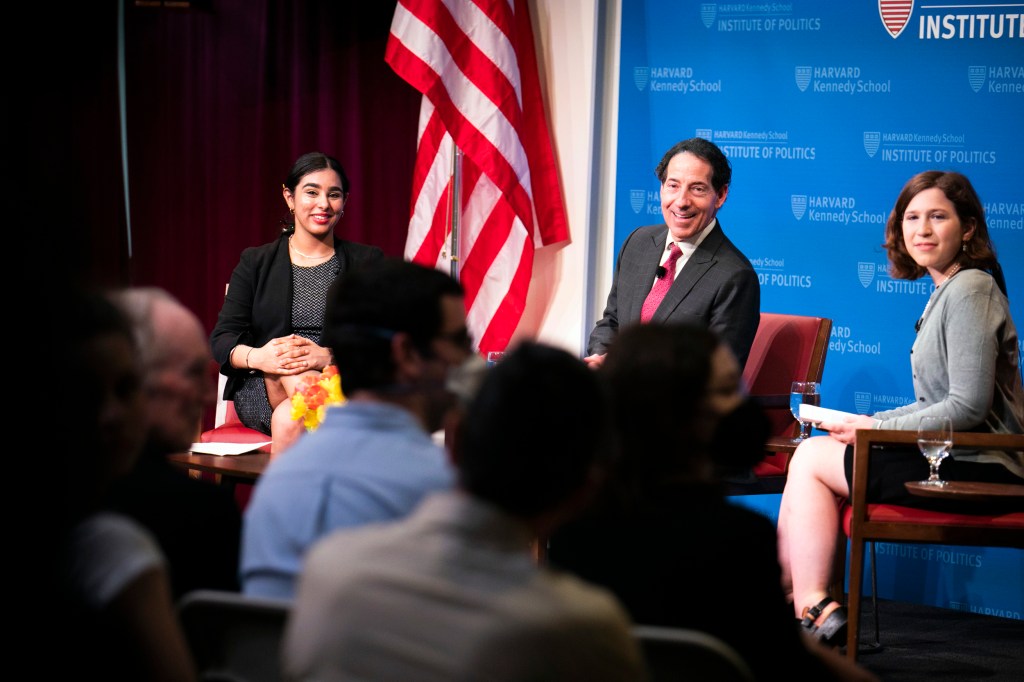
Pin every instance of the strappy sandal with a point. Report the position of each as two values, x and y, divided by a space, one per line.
832 630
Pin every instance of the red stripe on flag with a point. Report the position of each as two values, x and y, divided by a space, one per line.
492 238
506 318
437 233
430 143
547 194
469 58
466 135
457 53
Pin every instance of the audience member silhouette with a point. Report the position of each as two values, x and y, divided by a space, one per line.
396 330
197 523
663 537
113 616
453 592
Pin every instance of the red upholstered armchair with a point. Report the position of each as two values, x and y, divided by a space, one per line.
988 525
786 348
228 428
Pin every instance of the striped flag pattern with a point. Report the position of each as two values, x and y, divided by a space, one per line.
474 62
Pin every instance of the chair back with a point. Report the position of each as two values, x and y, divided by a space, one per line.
685 654
234 637
786 348
864 522
227 427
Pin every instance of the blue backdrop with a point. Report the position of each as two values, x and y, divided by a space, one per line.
825 110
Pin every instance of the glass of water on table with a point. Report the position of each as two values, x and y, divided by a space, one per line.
803 392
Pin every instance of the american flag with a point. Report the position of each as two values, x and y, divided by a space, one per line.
475 64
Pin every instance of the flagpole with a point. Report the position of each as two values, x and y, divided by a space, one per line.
455 203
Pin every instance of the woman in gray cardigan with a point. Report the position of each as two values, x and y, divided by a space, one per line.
966 366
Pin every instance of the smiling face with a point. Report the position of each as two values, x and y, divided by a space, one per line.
933 233
689 201
317 202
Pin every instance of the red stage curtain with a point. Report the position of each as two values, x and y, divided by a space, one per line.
221 99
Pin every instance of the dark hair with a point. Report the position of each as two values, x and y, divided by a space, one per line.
721 170
979 251
534 431
310 163
658 377
366 306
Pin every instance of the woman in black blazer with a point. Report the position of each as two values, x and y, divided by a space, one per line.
268 331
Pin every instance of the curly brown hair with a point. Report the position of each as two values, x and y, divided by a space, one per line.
978 251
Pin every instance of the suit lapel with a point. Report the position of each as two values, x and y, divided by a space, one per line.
702 260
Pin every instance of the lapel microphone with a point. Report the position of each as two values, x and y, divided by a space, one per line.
660 272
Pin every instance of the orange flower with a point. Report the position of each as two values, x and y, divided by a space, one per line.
314 394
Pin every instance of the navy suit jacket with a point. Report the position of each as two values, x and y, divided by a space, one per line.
717 288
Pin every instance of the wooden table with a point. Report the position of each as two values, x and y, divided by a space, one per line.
230 469
781 444
248 467
968 491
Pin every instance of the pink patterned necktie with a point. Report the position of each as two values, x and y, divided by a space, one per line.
661 285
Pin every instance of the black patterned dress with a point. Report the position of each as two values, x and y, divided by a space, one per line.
309 293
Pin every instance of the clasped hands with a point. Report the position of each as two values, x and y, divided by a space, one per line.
289 355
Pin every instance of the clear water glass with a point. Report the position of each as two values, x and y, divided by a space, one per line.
935 439
801 392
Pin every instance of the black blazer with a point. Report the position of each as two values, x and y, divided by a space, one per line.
258 304
717 288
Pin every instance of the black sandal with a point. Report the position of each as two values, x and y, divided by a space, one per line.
832 630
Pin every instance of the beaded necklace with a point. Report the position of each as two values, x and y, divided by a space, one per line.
955 269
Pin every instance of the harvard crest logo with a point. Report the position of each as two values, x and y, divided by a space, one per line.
798 204
636 199
895 14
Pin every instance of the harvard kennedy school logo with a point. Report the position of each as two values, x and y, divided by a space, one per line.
895 14
636 199
865 273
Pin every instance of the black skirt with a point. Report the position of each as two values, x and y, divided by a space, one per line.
894 465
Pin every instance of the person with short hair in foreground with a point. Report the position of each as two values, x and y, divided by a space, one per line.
663 537
197 523
454 592
397 331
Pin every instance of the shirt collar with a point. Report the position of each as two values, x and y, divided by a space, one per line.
688 246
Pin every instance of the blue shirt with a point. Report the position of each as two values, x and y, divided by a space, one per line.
367 462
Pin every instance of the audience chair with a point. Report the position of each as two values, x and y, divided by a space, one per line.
786 348
865 522
685 654
233 637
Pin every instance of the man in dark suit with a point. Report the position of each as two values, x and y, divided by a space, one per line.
714 284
